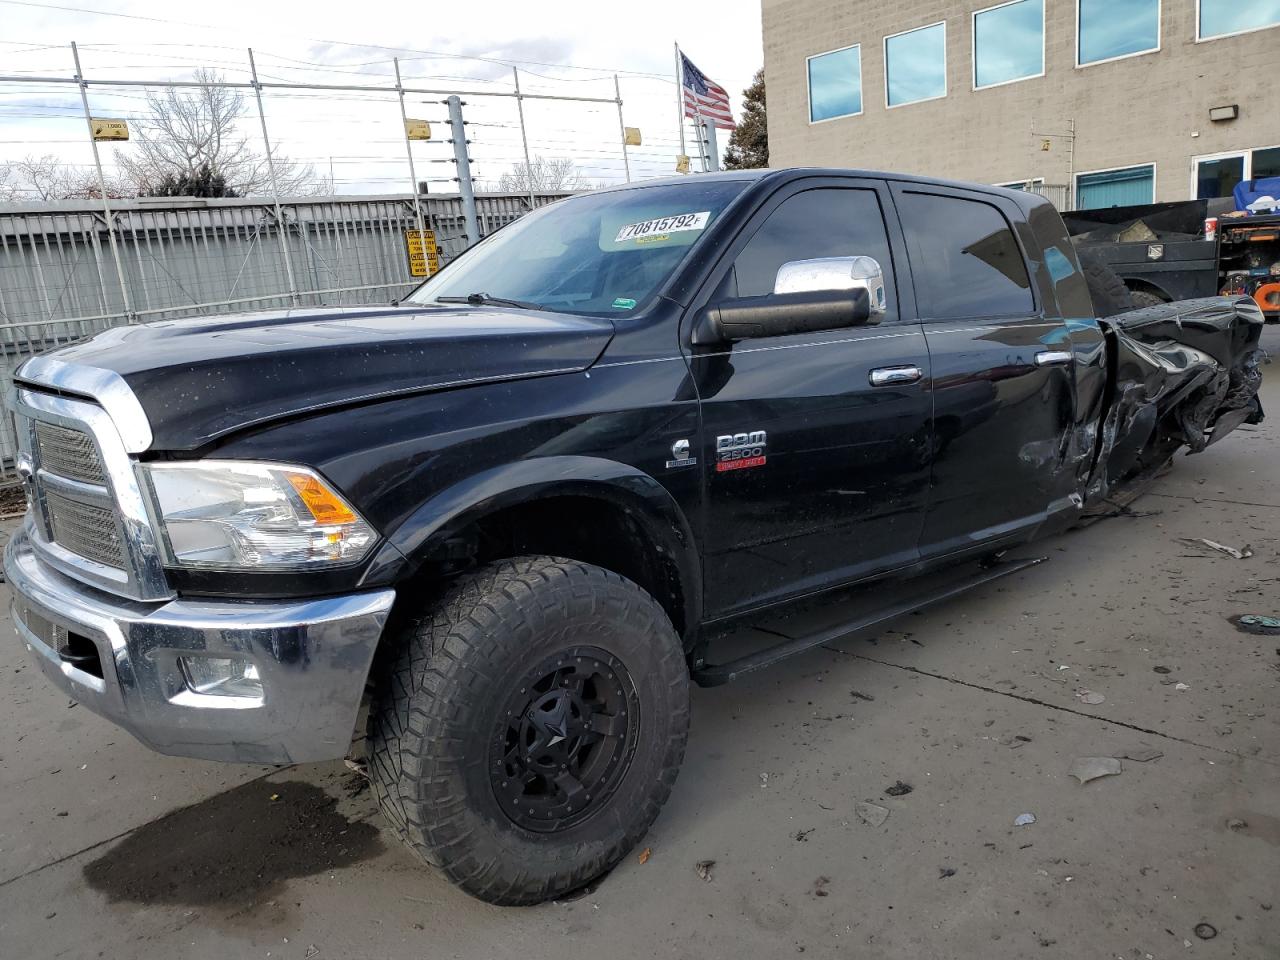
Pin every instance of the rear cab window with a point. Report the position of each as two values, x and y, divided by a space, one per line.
964 257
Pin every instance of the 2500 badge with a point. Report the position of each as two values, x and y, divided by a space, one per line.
741 451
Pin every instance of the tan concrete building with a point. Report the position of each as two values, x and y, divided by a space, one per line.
1099 102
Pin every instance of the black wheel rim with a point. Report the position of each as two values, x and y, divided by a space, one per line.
564 739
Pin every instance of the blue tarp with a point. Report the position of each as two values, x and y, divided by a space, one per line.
1248 191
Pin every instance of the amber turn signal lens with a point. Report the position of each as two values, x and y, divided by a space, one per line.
322 502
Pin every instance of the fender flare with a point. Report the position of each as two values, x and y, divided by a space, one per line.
449 511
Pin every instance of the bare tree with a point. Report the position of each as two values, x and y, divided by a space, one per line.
9 189
48 178
544 175
186 130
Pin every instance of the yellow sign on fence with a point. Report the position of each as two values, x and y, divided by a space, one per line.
631 136
424 254
417 130
110 129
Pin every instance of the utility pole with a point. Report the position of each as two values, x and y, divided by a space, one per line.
408 149
622 128
281 228
713 149
102 186
463 163
524 138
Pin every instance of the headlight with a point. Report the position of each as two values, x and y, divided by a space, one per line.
257 516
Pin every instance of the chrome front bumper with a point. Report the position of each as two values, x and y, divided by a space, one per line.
312 657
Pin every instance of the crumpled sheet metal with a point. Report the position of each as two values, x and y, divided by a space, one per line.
1186 373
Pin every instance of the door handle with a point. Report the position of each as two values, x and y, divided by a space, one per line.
884 376
1050 358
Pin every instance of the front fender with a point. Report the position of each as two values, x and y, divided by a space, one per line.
450 511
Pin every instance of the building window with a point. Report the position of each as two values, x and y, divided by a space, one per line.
1008 43
1111 29
915 65
1221 18
1126 187
975 266
835 84
1218 175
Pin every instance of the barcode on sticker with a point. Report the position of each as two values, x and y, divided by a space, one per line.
675 224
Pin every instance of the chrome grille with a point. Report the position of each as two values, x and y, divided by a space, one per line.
68 453
84 528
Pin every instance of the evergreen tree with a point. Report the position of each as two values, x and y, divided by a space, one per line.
749 144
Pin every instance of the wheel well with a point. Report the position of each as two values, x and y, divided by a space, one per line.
589 529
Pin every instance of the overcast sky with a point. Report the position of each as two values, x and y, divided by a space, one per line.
325 41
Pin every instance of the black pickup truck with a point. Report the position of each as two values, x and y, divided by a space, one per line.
509 512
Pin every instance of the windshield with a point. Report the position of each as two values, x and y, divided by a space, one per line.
599 254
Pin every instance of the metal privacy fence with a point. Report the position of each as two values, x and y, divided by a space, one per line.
59 280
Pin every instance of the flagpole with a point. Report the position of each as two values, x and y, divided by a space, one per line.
680 100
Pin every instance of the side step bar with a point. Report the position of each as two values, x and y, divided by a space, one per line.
714 675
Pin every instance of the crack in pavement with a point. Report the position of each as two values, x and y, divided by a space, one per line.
1199 499
1052 706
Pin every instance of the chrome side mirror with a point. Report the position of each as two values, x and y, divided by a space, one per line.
835 273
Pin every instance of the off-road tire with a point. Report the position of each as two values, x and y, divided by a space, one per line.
1145 298
441 694
1108 292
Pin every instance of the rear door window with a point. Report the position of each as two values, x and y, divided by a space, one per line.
965 261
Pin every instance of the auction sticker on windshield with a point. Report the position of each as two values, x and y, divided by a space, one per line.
663 225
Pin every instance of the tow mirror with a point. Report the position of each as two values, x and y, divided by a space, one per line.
835 273
808 295
779 314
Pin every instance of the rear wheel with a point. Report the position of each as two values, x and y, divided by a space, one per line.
530 728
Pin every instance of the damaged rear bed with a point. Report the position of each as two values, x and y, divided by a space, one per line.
1180 374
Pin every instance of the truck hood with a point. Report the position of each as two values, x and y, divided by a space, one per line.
201 379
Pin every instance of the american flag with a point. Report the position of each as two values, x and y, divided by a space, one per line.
703 97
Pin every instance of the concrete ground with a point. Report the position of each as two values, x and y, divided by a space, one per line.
980 706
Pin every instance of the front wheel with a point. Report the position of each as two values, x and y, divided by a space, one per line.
529 729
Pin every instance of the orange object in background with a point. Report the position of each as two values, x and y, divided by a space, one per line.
1267 297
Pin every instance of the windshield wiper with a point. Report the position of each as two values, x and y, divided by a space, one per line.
487 300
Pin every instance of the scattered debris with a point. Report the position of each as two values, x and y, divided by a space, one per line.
802 836
275 797
312 951
645 854
1088 696
1142 754
1013 741
1257 623
820 887
358 767
1181 686
1242 554
764 780
1024 819
1206 931
871 813
862 696
944 872
899 789
1085 769
1236 824
703 869
1162 670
